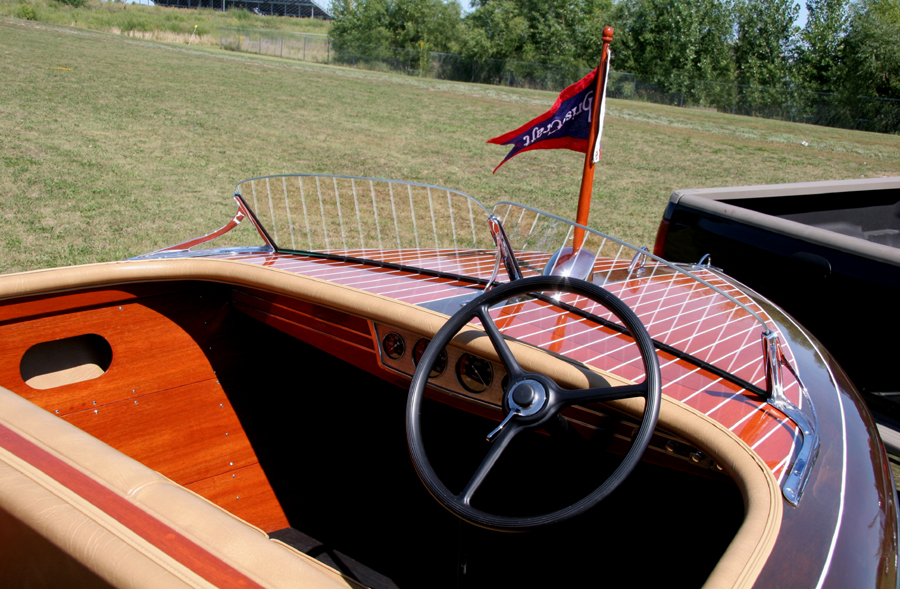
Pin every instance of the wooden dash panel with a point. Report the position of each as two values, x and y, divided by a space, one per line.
246 493
362 357
363 340
188 433
344 322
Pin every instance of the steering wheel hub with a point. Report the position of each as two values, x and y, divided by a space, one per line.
527 395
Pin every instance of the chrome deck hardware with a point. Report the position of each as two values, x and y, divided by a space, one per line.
795 481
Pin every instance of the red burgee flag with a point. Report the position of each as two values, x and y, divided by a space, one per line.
567 125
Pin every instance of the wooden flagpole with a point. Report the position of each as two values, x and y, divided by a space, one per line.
587 176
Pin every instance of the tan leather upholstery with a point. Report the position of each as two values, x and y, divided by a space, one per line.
63 527
739 566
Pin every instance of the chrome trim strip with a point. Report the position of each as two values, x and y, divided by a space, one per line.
221 251
840 516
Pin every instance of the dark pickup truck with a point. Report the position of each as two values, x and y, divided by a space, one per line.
826 252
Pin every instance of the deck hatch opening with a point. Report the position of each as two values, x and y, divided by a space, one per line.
57 363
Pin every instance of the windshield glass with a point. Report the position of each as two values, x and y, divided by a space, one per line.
431 228
405 223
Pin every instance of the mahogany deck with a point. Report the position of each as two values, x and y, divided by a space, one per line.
675 309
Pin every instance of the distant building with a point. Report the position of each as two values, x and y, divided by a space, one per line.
299 8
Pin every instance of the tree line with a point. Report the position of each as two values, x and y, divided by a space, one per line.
847 48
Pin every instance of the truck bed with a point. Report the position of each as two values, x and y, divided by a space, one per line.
826 252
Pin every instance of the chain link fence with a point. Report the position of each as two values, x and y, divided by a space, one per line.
880 115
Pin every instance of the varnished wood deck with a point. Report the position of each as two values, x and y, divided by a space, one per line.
675 309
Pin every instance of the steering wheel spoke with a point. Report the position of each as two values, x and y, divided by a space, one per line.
602 394
506 356
499 444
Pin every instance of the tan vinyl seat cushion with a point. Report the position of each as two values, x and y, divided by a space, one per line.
35 503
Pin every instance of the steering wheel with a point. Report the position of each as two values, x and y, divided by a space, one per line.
531 401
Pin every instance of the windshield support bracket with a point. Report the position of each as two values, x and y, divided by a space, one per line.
795 481
504 252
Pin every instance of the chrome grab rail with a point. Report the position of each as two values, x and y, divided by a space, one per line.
795 481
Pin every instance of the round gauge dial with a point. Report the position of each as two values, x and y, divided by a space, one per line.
393 345
475 374
439 365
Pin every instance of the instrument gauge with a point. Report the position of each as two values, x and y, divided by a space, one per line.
439 365
393 345
474 374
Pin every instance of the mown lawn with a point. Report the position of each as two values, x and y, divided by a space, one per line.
156 22
112 146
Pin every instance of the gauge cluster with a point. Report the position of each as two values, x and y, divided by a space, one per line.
455 370
475 378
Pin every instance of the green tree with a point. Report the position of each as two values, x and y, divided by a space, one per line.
425 25
497 30
872 50
556 32
821 45
766 42
359 23
676 43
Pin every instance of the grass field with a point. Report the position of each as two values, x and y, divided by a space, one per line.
112 146
154 22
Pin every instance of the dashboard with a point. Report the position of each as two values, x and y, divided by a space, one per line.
456 372
459 373
482 381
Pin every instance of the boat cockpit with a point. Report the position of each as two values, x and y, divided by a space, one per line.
578 410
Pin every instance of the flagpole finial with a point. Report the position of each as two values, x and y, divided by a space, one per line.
607 34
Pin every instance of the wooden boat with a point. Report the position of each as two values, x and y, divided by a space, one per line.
260 407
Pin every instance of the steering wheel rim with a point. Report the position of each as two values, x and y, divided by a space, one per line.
553 400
